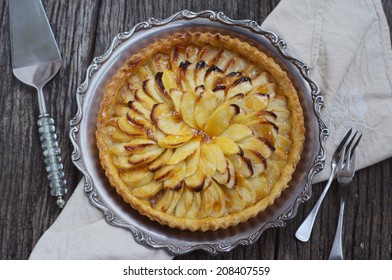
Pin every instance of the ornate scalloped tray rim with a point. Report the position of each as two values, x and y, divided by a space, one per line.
144 238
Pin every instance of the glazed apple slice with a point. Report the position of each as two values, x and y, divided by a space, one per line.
150 90
146 157
221 119
196 180
192 162
195 206
204 107
174 141
184 151
129 128
227 145
169 123
212 202
214 153
167 201
140 145
136 177
237 132
116 134
184 203
260 185
144 99
228 178
188 101
161 160
176 96
246 191
147 190
258 144
176 181
259 163
242 165
122 162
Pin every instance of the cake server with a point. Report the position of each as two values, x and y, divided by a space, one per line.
35 61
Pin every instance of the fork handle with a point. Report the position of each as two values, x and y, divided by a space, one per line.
53 161
337 246
305 229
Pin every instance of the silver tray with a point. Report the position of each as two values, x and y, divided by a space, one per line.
152 234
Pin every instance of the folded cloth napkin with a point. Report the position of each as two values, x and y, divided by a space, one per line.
348 48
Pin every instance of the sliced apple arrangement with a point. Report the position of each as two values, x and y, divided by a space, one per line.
197 133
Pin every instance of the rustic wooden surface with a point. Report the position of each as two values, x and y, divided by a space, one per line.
83 30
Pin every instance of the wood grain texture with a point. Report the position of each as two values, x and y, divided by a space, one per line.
83 30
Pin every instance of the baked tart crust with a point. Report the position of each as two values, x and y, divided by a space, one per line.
200 131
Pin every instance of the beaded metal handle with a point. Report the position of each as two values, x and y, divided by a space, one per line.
53 161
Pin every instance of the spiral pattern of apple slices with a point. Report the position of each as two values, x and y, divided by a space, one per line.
199 132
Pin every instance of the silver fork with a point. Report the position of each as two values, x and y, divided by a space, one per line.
305 229
345 174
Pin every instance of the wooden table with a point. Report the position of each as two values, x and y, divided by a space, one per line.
83 30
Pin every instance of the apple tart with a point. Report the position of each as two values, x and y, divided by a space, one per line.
200 131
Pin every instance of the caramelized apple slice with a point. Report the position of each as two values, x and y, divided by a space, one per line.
260 185
258 144
242 85
242 165
148 190
259 163
195 206
146 157
136 177
215 153
144 99
161 160
165 120
220 119
122 162
188 101
212 74
192 162
184 151
196 180
176 96
174 141
129 128
205 106
234 202
169 80
246 191
227 178
165 172
228 146
140 145
117 134
176 181
186 75
184 203
149 89
213 202
237 132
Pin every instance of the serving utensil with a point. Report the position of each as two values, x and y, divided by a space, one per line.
305 229
35 61
345 174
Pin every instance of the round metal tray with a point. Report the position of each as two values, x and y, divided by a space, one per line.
152 234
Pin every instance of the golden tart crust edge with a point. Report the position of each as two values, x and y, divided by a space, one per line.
297 131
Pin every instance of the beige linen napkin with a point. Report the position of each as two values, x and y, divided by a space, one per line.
348 48
346 44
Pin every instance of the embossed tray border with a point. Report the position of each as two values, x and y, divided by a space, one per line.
142 237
